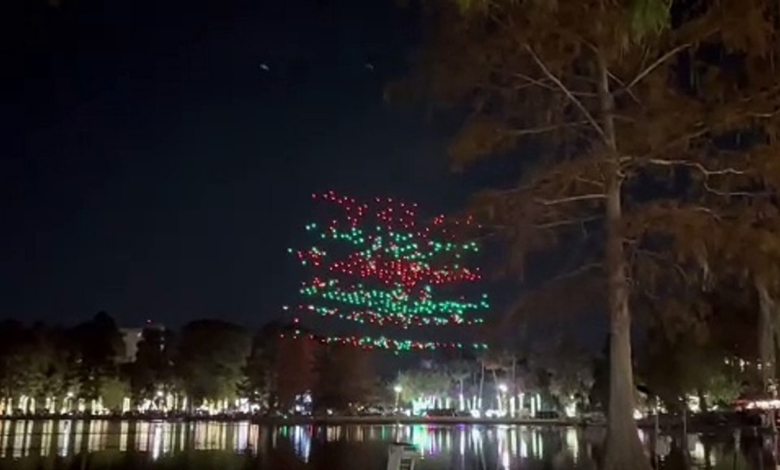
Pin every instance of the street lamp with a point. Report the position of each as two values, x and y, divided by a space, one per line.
398 389
159 401
67 402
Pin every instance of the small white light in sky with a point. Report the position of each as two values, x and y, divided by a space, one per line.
265 67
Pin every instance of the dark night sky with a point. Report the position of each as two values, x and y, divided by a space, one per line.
159 156
163 171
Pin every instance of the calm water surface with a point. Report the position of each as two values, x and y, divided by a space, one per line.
227 446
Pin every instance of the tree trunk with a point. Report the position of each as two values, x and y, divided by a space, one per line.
703 405
624 450
481 383
461 405
766 346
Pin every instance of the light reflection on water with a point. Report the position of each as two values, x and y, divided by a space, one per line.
333 447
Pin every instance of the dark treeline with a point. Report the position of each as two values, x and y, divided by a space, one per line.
215 366
94 367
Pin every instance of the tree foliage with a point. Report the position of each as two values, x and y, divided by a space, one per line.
280 367
565 372
418 384
209 362
345 378
654 124
709 356
152 371
210 359
96 345
32 362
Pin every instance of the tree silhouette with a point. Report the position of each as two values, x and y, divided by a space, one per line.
96 344
210 360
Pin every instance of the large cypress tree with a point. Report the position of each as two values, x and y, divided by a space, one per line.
644 130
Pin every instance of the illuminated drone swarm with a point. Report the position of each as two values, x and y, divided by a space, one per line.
378 263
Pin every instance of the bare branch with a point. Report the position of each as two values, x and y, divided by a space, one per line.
765 115
564 200
707 211
563 223
654 65
483 237
543 129
567 92
623 86
672 143
659 257
704 170
534 81
719 192
598 184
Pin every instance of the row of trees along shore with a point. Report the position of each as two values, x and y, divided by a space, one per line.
644 134
225 367
207 362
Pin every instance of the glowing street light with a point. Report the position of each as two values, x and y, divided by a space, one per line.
398 389
501 397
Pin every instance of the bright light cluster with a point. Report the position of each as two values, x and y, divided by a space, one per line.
379 263
369 317
368 342
395 302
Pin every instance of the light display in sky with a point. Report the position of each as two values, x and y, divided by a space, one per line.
379 263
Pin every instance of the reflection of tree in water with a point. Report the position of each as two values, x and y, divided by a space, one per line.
720 453
203 460
760 452
345 455
366 447
677 458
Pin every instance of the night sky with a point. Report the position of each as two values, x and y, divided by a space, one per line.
170 150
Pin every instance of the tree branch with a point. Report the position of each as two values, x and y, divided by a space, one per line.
598 184
623 87
672 143
704 170
662 258
582 197
718 192
543 84
563 223
567 92
707 211
765 115
543 129
534 81
654 66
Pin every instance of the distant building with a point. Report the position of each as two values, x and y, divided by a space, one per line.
130 337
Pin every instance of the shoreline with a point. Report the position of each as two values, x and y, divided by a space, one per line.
374 421
317 420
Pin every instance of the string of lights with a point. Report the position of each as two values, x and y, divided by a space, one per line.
374 318
368 342
393 302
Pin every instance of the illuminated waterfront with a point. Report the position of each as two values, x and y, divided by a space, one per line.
148 445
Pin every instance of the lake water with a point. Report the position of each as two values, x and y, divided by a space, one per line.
115 445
